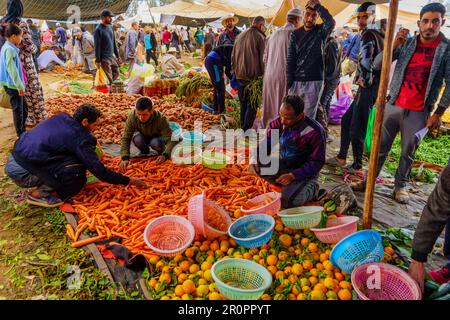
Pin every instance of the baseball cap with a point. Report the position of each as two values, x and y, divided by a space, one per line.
296 12
107 13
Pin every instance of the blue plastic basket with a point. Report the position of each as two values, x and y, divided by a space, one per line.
358 249
252 231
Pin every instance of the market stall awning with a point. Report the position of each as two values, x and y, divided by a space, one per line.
58 9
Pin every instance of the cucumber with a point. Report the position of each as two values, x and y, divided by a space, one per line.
323 221
446 297
441 292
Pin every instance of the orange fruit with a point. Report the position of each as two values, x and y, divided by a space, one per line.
339 276
272 269
177 271
283 256
320 266
298 252
165 277
345 285
332 295
215 296
207 275
166 269
279 227
314 272
306 289
233 243
293 278
177 258
186 297
285 240
279 274
202 282
304 242
389 251
184 265
304 282
292 296
153 283
329 283
165 298
182 278
160 265
247 256
345 294
206 266
288 270
190 253
297 269
179 291
213 287
312 247
214 246
318 295
153 259
189 286
313 280
320 287
296 289
323 257
272 260
194 268
328 265
202 291
307 264
301 296
307 232
266 297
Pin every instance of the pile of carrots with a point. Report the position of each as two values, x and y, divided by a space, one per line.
116 211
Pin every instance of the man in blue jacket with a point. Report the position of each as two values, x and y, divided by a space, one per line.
54 157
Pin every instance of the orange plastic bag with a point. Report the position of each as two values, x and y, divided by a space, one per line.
101 82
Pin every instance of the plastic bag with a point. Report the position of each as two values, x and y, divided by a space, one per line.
338 109
135 85
101 82
142 71
369 132
4 99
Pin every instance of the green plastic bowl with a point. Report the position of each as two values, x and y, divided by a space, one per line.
215 160
240 279
301 217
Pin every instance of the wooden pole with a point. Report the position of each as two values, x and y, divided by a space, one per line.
380 105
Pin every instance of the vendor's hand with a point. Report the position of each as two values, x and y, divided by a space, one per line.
123 165
401 38
417 272
137 182
434 122
22 92
286 179
161 159
254 169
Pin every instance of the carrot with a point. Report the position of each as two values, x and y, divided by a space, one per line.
70 232
85 242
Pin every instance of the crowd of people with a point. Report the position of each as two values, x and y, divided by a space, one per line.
301 65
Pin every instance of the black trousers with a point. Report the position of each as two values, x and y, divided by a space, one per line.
19 108
248 111
151 54
354 124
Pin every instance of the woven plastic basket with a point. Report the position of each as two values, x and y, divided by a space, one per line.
215 160
196 215
252 231
169 235
186 155
357 249
386 282
301 217
337 229
239 279
271 209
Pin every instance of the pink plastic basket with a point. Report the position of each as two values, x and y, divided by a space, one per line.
271 209
391 283
196 210
169 235
337 229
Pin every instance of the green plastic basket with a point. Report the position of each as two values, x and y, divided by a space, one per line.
301 217
215 160
239 279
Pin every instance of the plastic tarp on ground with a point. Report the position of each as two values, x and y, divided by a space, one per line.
57 9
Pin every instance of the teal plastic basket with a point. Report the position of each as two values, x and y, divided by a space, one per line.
240 279
301 217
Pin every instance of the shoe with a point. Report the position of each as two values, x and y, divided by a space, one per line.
402 196
352 169
48 202
335 162
440 276
359 186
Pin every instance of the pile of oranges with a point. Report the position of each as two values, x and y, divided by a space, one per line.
298 262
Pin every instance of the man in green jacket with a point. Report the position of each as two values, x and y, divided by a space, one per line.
146 128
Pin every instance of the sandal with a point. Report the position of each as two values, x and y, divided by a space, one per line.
49 202
402 196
